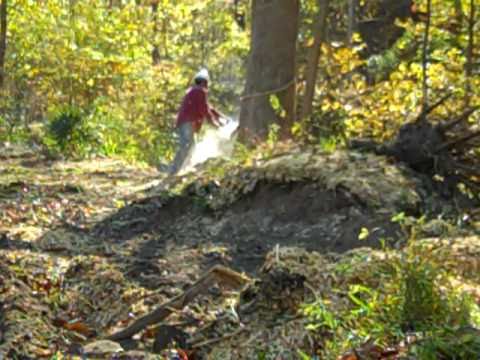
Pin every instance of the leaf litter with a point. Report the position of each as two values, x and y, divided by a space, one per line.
77 265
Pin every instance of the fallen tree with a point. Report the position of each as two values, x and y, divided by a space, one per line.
445 151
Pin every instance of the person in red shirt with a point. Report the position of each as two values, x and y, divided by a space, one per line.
194 110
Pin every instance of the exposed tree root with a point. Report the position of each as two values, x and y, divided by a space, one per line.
445 149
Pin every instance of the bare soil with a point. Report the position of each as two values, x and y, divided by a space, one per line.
299 214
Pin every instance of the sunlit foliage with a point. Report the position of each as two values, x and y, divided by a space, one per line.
97 56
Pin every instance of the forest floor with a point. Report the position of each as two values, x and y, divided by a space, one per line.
88 247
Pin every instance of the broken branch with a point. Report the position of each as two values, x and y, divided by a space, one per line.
217 274
449 125
451 144
218 339
428 110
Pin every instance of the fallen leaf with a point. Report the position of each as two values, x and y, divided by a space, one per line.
80 328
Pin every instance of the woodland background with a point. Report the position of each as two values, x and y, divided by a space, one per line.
106 77
344 226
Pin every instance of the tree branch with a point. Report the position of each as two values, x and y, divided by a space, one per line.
463 117
454 143
427 110
218 274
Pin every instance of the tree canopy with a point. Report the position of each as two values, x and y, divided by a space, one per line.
333 213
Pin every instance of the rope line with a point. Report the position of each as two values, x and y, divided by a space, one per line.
269 92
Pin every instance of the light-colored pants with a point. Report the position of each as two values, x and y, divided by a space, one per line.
185 143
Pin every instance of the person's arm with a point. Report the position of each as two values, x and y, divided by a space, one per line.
218 115
215 112
211 114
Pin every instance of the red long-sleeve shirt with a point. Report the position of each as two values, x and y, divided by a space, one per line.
195 108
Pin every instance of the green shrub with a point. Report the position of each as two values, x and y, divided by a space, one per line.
70 134
422 300
428 299
412 294
458 344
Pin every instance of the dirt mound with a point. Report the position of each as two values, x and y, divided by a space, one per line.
317 201
76 285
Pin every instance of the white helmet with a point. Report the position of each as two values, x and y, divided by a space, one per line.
202 75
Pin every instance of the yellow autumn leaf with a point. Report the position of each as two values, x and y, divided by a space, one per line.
364 233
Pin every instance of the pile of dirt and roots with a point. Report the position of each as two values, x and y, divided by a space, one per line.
315 201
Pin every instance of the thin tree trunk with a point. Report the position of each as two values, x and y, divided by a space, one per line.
425 57
351 21
470 47
311 71
3 40
155 51
271 69
74 43
459 13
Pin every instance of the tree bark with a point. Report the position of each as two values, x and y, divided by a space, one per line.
459 13
311 71
271 68
3 39
351 21
470 47
425 56
155 50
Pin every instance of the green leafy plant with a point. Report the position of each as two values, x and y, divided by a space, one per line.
422 299
69 132
450 343
402 294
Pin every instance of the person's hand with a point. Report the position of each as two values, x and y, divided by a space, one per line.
218 123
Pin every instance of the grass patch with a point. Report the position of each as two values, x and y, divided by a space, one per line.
401 302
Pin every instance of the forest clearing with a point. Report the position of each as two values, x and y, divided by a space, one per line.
265 179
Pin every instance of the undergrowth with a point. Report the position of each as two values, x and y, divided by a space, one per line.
405 302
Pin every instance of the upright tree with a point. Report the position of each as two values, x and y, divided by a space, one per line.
351 5
271 68
458 12
3 39
470 53
155 50
425 56
311 70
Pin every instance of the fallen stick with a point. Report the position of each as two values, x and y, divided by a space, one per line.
218 339
217 274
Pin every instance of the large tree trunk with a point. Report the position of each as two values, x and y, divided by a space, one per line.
271 68
313 57
3 39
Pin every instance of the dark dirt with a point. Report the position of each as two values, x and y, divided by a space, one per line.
299 214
